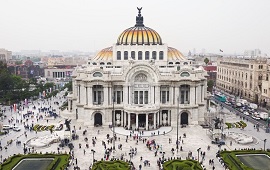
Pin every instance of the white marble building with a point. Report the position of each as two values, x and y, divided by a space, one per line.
145 77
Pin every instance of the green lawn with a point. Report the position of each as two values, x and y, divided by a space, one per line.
111 165
178 164
59 162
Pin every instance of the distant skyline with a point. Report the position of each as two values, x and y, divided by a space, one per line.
91 25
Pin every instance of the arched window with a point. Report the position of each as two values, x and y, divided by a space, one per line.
125 55
102 63
133 55
139 55
161 57
118 55
154 55
146 55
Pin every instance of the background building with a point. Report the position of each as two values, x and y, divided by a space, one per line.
5 55
139 82
242 76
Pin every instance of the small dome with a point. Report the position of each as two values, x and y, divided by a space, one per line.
105 54
139 34
174 54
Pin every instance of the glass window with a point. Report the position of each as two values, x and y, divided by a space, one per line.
125 55
141 97
133 55
118 55
161 55
146 55
145 97
154 55
136 97
139 55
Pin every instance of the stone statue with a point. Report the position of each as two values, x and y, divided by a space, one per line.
217 123
139 9
67 123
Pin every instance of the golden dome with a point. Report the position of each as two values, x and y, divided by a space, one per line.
174 54
139 34
105 54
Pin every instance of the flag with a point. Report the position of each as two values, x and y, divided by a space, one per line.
221 50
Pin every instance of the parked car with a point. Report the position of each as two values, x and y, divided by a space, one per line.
256 118
16 128
7 127
246 113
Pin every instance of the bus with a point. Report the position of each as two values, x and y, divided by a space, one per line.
220 98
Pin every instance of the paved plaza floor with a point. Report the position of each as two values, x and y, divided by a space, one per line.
196 137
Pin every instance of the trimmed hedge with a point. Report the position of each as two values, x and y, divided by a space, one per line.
60 161
234 163
182 165
104 165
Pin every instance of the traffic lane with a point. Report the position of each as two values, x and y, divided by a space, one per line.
261 123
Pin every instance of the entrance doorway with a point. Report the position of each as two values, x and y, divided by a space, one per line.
142 120
98 119
184 118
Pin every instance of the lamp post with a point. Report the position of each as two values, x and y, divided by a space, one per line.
177 142
93 151
264 142
198 150
113 124
129 156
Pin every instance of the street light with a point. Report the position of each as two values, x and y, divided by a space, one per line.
129 156
177 142
93 151
113 123
198 150
264 141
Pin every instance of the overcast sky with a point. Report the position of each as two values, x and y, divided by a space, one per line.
90 25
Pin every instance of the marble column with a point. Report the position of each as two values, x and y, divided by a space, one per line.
152 95
169 117
110 95
128 120
198 97
202 93
90 96
155 119
192 95
125 91
122 117
171 95
177 94
137 121
157 92
158 119
146 121
106 97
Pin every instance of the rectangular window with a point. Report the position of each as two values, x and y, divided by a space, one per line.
182 97
139 55
146 55
145 97
118 55
161 55
125 55
136 97
133 55
141 97
163 96
168 96
118 97
99 97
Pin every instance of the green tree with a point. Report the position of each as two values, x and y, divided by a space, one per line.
206 60
210 84
18 62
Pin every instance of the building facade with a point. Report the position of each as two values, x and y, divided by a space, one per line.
5 55
242 77
139 82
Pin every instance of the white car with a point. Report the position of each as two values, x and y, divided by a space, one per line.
16 128
255 117
246 113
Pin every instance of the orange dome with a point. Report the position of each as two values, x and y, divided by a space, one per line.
139 34
105 54
174 54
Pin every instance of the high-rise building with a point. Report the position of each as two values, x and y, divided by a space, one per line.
5 55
